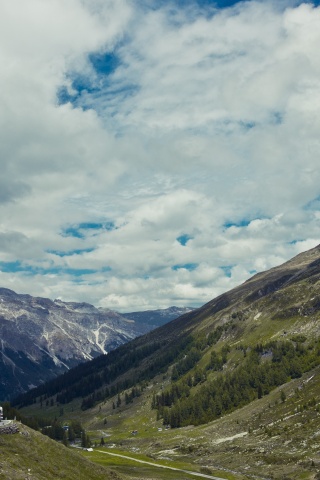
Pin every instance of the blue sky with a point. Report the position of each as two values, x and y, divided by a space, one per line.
156 153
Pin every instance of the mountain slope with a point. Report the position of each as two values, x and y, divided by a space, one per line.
41 338
248 297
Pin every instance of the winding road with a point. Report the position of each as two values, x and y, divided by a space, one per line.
189 472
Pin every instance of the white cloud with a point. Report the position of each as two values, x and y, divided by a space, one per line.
206 129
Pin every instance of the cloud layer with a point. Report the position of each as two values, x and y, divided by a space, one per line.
155 156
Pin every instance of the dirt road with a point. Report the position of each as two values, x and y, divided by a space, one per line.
196 474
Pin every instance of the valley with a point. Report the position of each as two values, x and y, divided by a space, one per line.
160 240
230 390
267 439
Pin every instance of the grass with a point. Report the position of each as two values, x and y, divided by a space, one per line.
32 455
134 469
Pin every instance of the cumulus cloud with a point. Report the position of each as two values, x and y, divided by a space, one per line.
155 156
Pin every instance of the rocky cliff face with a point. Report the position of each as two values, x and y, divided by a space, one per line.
40 338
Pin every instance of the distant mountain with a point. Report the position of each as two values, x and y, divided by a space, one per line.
156 318
41 338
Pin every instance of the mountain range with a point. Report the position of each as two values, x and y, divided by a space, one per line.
41 338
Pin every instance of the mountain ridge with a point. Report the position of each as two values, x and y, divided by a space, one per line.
42 338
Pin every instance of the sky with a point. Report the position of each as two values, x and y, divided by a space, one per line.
156 153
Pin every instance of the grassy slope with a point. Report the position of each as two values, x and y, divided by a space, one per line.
32 455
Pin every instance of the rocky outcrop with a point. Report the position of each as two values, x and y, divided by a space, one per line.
9 429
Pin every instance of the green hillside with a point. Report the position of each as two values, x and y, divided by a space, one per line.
29 454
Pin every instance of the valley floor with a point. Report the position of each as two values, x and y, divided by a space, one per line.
166 467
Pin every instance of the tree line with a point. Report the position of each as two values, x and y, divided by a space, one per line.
263 368
54 429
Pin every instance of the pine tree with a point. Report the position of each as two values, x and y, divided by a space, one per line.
83 439
65 439
71 434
